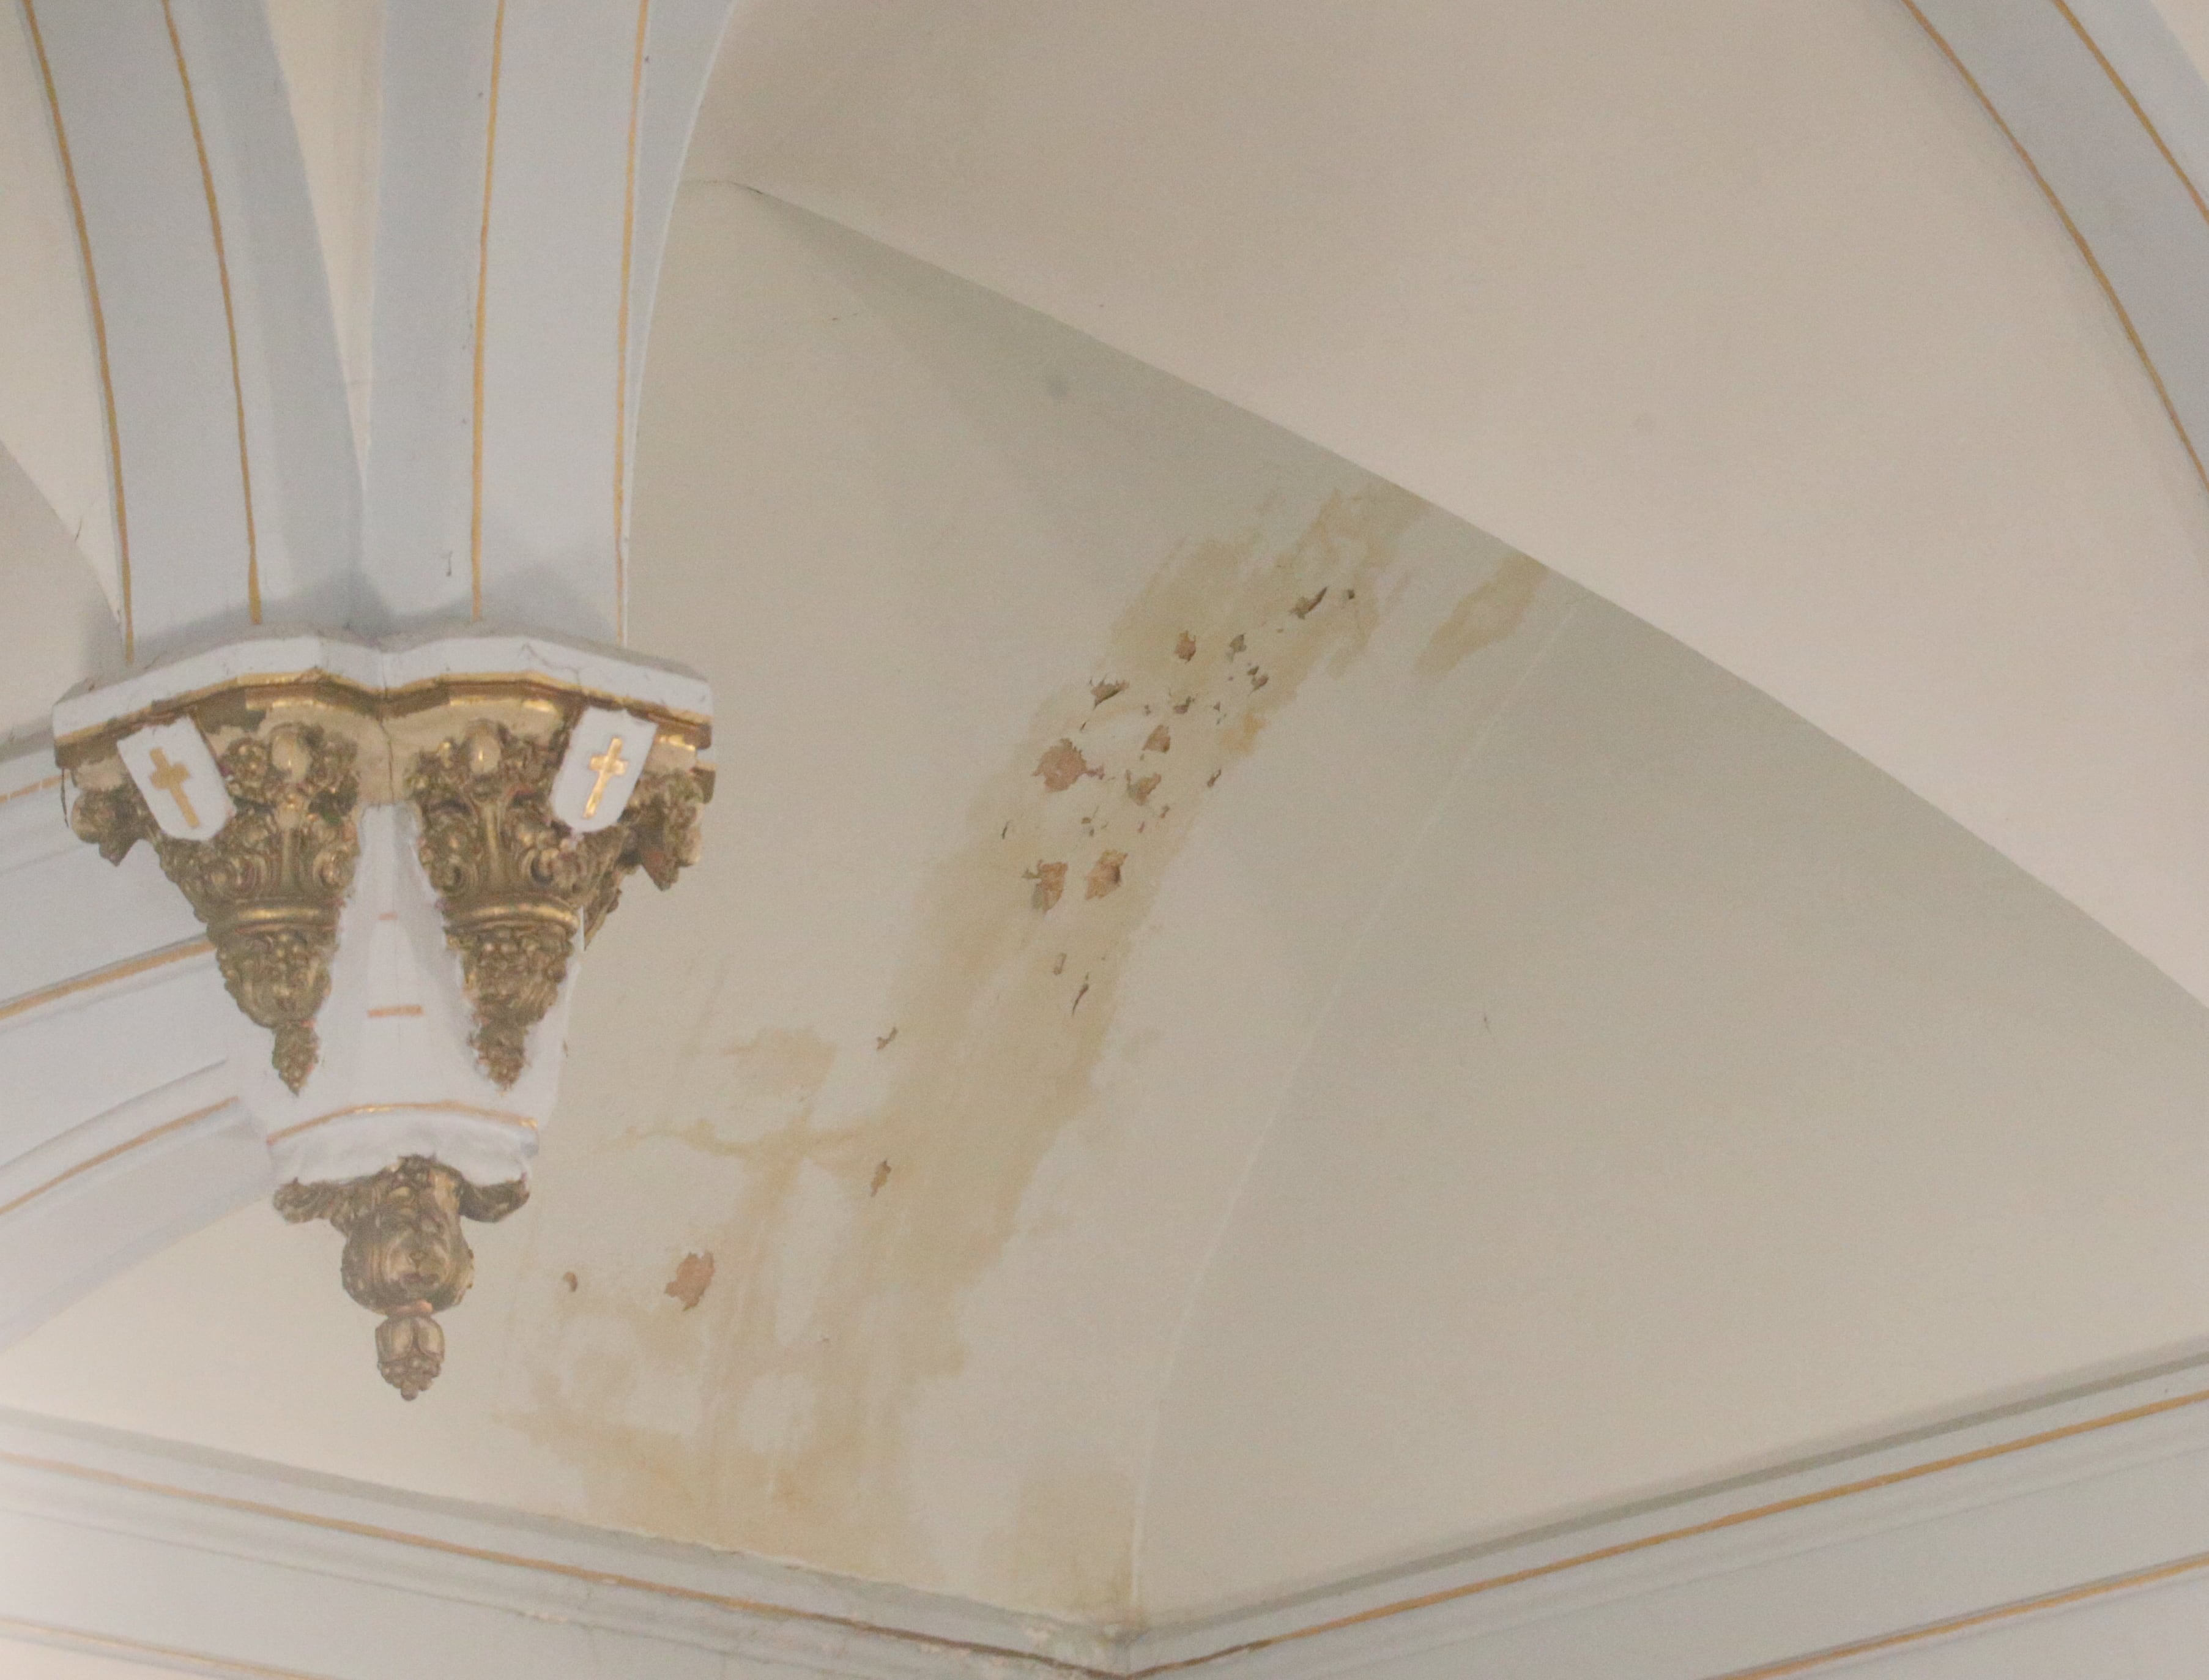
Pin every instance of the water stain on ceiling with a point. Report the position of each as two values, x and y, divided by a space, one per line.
789 1440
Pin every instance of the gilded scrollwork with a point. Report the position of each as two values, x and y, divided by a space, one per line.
269 886
405 1257
516 885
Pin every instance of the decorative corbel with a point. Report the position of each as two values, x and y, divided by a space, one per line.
269 884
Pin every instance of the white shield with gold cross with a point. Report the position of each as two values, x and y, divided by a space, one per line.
177 774
606 751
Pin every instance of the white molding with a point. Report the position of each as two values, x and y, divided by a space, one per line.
209 1559
111 1537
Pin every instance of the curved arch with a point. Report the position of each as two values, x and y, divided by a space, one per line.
1751 320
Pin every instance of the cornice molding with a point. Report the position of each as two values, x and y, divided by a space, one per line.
2056 1507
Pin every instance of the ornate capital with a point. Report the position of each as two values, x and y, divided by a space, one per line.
268 886
405 1255
516 885
355 823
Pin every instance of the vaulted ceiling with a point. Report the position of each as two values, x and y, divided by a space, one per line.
1459 780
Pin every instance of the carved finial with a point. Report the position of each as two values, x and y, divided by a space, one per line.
405 1255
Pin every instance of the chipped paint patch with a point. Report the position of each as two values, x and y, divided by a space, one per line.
1049 883
1062 765
1104 873
775 1418
694 1276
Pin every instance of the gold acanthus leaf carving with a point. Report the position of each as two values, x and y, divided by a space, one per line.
516 885
269 886
405 1255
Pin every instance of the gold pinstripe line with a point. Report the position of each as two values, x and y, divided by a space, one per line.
229 315
2124 318
621 334
483 299
99 328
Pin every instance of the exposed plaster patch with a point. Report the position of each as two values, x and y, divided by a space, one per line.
1104 873
1062 765
1185 647
1484 617
694 1275
1161 738
1049 884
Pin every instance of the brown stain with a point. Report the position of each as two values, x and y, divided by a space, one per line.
1104 873
775 1420
1061 765
1071 1544
1049 884
1484 617
694 1276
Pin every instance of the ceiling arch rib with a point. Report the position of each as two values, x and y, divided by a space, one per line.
1747 318
530 154
229 459
2103 105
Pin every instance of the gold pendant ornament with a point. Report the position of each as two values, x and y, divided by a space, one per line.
405 1255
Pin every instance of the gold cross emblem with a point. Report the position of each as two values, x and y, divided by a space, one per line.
609 764
171 780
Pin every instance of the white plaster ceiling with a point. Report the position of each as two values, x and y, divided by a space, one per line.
1746 317
1542 1068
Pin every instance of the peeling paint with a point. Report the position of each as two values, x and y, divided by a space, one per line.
1049 884
694 1275
775 1420
1161 738
1104 873
1062 765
